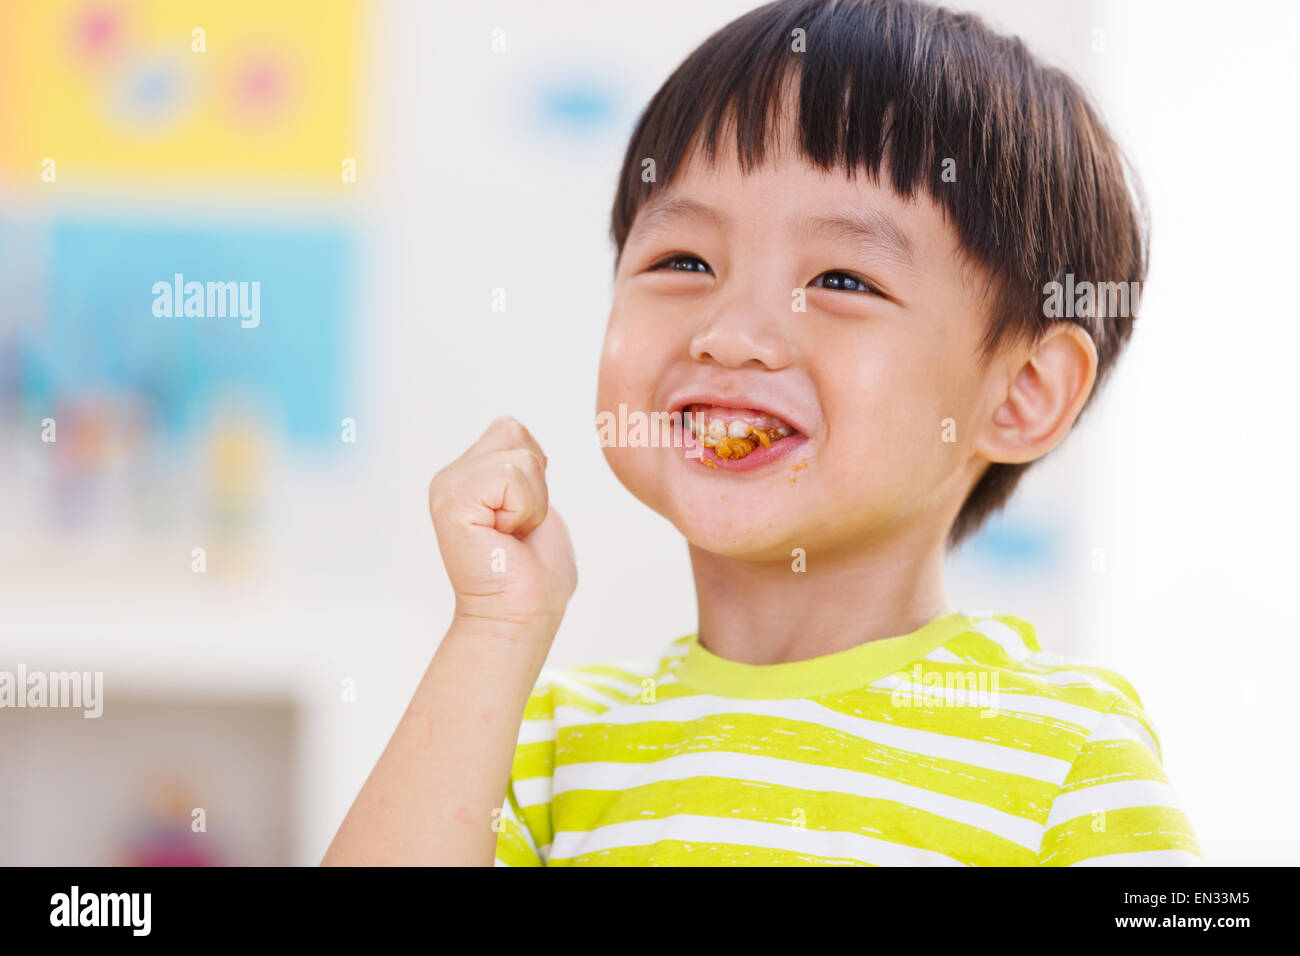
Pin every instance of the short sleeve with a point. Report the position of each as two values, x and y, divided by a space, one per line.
524 834
1116 807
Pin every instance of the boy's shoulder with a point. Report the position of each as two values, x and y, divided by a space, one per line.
1010 645
597 687
1061 689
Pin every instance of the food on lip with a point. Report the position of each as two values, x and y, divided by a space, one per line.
734 433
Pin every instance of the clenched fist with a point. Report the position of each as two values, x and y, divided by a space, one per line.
507 552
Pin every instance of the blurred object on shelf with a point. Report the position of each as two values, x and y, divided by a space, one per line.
165 833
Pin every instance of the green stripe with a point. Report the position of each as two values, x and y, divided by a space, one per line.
1132 830
538 820
1112 761
805 743
1023 628
1030 733
533 760
723 797
973 647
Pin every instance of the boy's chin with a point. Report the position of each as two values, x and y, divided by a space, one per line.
753 539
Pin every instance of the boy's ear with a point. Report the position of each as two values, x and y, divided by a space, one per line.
1038 400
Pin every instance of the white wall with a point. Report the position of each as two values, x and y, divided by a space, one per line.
1193 474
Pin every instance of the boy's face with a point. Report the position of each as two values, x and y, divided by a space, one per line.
883 354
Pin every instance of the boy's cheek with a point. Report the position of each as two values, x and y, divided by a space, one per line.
886 451
630 465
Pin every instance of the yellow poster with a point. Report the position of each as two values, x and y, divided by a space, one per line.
205 90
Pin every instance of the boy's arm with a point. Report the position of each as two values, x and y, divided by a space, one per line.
1116 806
431 796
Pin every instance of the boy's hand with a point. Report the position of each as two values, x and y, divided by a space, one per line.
507 553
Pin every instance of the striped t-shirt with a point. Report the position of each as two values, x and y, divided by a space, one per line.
961 743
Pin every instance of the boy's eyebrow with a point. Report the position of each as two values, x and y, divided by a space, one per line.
665 208
872 230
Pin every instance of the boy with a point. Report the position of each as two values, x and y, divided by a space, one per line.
837 226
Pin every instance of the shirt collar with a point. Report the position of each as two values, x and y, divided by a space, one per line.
836 673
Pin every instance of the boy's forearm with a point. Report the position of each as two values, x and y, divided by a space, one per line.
430 797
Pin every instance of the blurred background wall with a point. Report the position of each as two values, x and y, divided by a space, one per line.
231 523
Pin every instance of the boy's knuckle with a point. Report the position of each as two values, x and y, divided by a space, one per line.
509 425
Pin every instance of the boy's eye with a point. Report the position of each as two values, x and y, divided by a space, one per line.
845 282
683 263
835 280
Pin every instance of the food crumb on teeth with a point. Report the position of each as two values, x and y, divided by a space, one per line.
734 447
735 440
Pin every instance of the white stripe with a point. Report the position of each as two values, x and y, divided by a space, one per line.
614 683
1058 665
531 791
1060 677
913 694
586 692
1122 727
1039 705
981 753
1048 659
673 657
1016 702
1000 700
1008 701
1111 796
1061 670
941 655
536 731
1008 638
779 836
639 668
800 776
1145 858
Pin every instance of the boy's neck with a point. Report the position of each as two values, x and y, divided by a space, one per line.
767 613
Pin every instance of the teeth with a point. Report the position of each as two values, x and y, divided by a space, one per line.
735 439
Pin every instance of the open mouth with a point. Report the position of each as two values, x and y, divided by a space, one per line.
733 433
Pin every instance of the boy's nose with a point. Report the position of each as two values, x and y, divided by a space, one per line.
744 329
